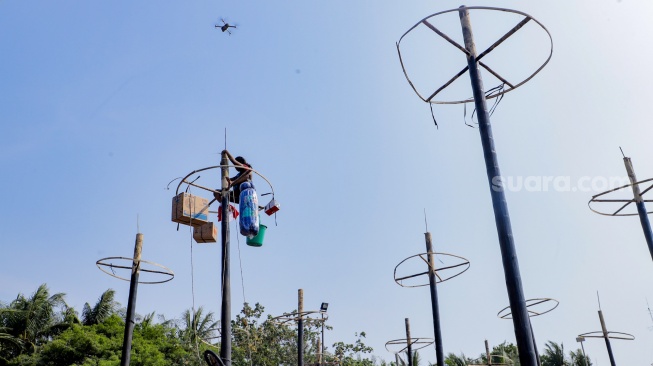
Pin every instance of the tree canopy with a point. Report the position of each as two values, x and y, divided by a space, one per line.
42 330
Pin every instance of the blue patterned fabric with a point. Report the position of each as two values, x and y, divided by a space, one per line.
249 222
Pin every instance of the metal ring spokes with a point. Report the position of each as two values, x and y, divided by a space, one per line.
306 316
190 182
165 272
443 273
415 343
533 306
509 85
621 204
599 334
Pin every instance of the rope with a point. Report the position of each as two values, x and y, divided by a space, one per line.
240 262
192 272
242 284
433 115
499 88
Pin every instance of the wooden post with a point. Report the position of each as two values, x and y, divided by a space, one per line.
607 339
300 328
409 342
435 307
641 207
521 322
225 315
131 304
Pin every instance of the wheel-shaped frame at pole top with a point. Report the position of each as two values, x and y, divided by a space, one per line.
419 342
192 182
463 266
626 202
306 316
104 263
495 93
505 313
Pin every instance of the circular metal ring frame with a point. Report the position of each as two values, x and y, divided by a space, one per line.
530 303
184 179
166 271
420 342
599 334
304 315
627 202
438 278
495 94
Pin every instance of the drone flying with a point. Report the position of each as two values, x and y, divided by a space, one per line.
225 26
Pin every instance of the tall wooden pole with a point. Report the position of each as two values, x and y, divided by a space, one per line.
319 348
581 339
435 307
300 328
641 208
322 348
225 316
521 322
131 304
409 342
607 339
487 353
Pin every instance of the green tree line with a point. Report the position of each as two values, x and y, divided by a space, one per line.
42 330
506 354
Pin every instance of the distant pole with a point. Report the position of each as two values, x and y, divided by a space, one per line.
641 208
537 354
225 317
319 347
521 323
300 328
581 340
409 349
435 309
487 353
322 348
607 339
131 304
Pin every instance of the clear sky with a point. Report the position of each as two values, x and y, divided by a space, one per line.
104 102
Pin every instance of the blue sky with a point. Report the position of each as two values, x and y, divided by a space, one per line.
104 103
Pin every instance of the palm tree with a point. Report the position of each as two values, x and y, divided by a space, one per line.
66 319
104 308
579 359
505 353
9 345
197 326
33 319
454 360
554 355
416 359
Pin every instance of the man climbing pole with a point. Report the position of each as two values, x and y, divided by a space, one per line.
244 175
